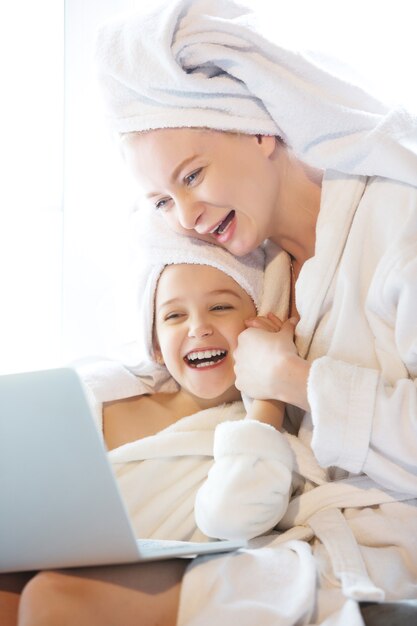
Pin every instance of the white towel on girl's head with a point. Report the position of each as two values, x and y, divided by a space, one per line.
200 63
264 273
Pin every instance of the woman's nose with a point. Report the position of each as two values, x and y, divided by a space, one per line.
188 213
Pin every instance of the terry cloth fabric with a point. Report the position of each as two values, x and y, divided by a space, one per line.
264 274
201 63
210 474
160 475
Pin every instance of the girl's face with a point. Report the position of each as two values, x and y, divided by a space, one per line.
199 313
220 187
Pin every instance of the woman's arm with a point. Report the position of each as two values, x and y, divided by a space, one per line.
370 424
280 373
367 426
363 421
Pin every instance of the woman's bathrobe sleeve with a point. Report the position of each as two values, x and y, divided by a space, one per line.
365 418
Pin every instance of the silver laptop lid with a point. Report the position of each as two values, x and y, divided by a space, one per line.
59 503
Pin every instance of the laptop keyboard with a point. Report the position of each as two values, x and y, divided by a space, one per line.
165 546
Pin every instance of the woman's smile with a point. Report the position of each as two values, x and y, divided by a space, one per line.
225 230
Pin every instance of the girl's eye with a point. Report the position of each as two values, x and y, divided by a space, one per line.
221 307
161 204
172 316
191 178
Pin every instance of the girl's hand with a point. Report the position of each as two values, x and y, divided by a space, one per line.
267 364
269 322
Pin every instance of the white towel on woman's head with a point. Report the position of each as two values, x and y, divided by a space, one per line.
200 63
264 273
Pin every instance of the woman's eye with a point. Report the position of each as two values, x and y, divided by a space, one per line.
191 178
161 204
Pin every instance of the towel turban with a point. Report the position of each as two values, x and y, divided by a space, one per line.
263 273
201 63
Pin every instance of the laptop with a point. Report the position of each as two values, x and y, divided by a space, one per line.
60 505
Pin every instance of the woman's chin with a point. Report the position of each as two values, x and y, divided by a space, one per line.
241 248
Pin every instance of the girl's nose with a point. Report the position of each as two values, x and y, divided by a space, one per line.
199 329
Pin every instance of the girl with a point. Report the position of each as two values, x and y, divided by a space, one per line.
195 299
191 463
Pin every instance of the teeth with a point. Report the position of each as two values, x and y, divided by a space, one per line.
221 232
206 354
216 228
205 364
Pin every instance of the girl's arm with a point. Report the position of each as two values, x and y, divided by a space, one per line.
268 412
248 487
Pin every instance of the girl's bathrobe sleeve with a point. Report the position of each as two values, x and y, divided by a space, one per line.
212 474
249 484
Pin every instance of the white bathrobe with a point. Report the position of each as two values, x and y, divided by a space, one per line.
350 530
352 533
213 474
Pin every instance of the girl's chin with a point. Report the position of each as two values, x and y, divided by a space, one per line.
207 396
213 397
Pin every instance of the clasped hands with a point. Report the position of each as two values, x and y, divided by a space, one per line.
267 364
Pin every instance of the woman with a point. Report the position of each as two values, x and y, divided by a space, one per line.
350 374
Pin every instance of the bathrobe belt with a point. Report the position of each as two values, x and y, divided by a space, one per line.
318 513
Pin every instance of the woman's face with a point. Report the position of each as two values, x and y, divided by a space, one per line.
220 187
199 313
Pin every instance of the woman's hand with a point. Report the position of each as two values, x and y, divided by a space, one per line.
267 364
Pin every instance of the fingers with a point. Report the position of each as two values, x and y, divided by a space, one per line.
270 322
288 327
274 317
261 323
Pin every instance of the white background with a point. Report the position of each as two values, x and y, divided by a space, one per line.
64 192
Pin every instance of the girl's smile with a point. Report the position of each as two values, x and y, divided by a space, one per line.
205 357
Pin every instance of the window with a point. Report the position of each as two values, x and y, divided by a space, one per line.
32 57
63 203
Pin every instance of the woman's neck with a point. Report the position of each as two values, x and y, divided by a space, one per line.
298 206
